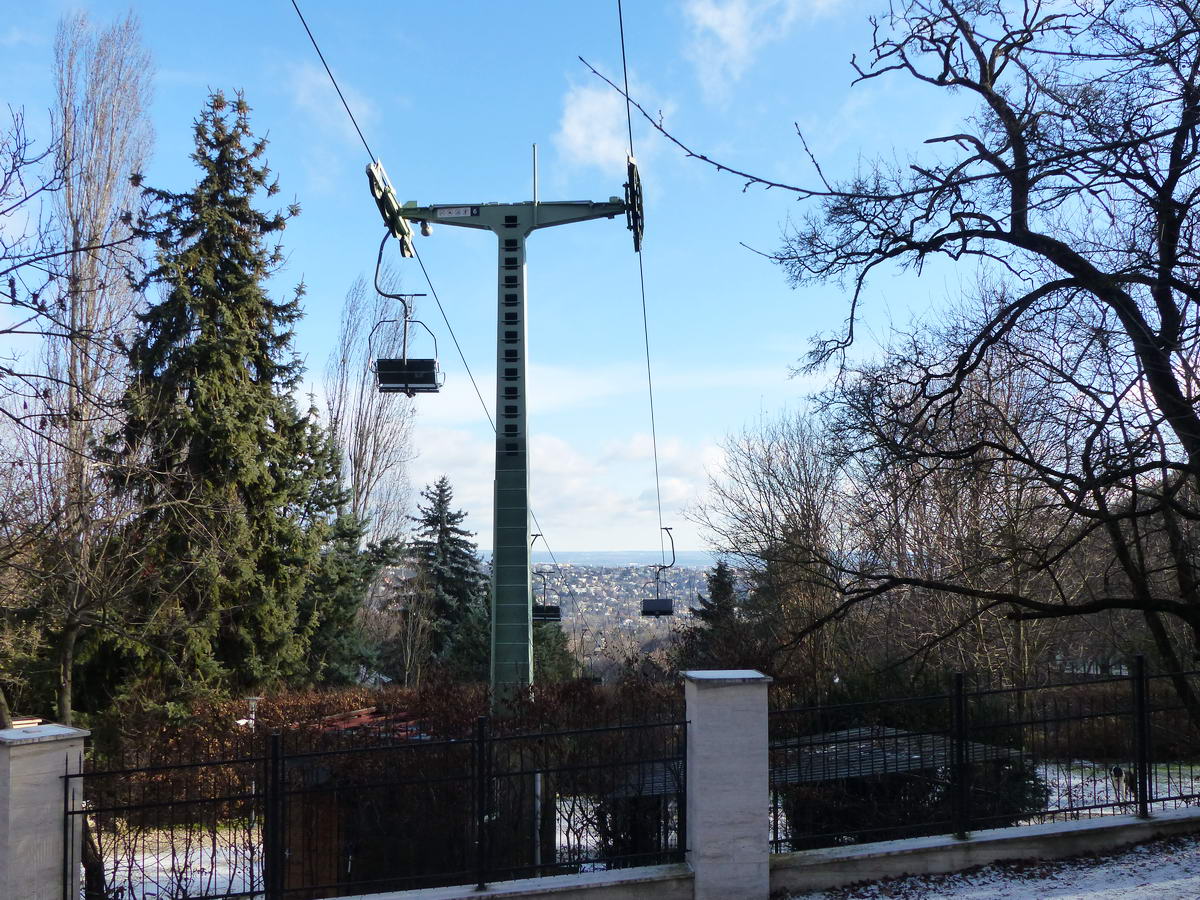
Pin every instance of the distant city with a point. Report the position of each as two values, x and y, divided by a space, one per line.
600 593
687 559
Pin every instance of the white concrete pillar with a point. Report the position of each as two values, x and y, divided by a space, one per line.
33 824
728 793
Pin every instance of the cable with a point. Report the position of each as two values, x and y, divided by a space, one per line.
429 281
417 253
580 616
334 80
438 300
653 424
625 72
645 318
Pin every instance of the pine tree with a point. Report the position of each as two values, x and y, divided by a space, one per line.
449 566
236 484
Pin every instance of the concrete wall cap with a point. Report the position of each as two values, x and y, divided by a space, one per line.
651 878
40 734
713 677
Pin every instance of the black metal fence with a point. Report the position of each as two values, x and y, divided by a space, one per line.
310 815
969 759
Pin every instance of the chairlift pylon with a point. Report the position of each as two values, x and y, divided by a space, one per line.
658 605
406 375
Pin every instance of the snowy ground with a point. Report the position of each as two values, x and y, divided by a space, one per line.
1168 869
1076 784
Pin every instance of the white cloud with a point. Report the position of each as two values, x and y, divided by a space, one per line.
592 130
16 36
585 497
313 95
457 403
726 35
465 457
555 388
604 500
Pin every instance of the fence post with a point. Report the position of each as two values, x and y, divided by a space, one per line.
273 855
1141 736
38 839
482 779
728 785
959 771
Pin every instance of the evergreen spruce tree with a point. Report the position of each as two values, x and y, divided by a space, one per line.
338 651
448 561
459 595
468 650
237 486
715 632
552 657
720 606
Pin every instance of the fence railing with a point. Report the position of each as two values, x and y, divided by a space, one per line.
310 815
968 759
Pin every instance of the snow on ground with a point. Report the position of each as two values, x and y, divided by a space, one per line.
1080 784
1167 869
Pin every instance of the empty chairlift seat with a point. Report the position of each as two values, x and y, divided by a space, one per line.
657 606
408 376
544 612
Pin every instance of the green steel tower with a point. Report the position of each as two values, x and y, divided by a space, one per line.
512 223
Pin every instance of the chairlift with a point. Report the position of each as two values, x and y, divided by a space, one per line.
658 605
546 612
406 375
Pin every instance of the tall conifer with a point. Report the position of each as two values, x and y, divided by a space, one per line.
446 555
716 636
235 482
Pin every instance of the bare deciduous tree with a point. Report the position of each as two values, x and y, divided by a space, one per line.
28 261
778 508
1076 183
103 97
397 618
68 288
372 429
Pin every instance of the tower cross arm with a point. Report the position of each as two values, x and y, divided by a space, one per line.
524 217
567 211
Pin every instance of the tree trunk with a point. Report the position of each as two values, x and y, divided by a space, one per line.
93 866
1166 650
66 668
5 711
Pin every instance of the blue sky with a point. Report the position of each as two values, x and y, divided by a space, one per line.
451 96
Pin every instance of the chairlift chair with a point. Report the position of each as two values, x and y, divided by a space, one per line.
546 612
409 375
658 605
406 375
